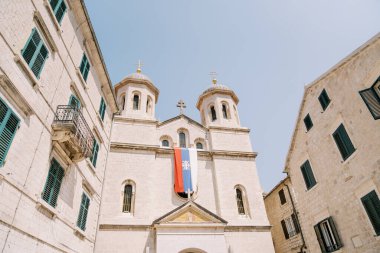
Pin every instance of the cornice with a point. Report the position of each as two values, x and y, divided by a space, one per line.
229 129
130 80
118 118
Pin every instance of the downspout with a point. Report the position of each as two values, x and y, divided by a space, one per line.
299 224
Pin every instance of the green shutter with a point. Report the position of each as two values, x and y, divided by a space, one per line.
83 211
371 204
286 234
335 232
35 53
324 99
308 122
342 140
95 150
319 238
9 123
53 183
74 101
84 67
102 108
308 175
295 223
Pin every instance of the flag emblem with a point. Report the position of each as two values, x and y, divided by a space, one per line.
185 170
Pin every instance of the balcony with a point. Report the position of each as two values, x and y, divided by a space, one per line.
72 133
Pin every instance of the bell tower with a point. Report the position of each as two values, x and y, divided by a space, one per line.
218 106
137 96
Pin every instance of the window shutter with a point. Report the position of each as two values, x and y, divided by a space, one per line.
282 196
319 237
335 232
371 204
54 4
342 140
95 150
372 101
324 99
74 101
102 108
60 12
53 183
8 125
83 211
285 229
308 175
295 222
31 46
84 67
308 122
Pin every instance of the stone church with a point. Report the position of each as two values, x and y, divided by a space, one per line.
225 213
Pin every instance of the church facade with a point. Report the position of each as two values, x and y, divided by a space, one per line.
226 211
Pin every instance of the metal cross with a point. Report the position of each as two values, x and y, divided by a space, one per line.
213 74
181 105
139 65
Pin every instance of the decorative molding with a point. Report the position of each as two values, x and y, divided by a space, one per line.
83 82
43 28
227 129
25 67
88 187
125 227
97 133
7 87
88 51
42 205
247 228
78 232
52 16
124 119
75 89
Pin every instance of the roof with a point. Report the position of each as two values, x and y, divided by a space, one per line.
276 186
217 89
312 84
179 117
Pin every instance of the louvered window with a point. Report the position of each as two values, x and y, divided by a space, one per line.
59 9
372 100
127 201
239 201
327 235
84 67
35 53
371 204
53 183
308 122
281 194
308 175
9 123
83 211
95 150
290 226
102 108
324 99
343 141
74 101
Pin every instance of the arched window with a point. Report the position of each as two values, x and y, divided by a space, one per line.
236 115
165 143
127 201
136 101
148 105
225 111
122 102
213 113
240 201
199 145
182 139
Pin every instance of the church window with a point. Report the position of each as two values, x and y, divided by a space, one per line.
213 113
236 114
122 102
84 67
199 145
59 8
53 183
136 102
35 53
327 235
127 200
371 205
165 143
240 201
149 105
182 139
225 111
102 108
83 211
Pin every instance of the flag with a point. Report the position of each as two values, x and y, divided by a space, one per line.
185 169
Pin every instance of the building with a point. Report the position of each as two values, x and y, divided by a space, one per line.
283 216
333 160
56 109
226 212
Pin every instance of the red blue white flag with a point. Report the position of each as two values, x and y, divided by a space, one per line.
185 169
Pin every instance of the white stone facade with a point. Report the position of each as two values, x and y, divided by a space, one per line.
341 183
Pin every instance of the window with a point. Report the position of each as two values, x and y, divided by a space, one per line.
83 211
199 145
35 53
282 196
182 139
372 100
149 105
225 113
240 201
102 108
327 235
59 9
95 150
371 204
343 142
324 99
165 143
136 100
213 113
308 122
308 175
53 183
9 123
122 102
74 101
84 67
290 226
127 201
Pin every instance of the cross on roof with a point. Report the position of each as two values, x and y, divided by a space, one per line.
181 105
139 65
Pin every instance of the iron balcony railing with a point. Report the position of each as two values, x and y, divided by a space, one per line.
68 116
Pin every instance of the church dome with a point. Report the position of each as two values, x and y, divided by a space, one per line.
217 89
138 76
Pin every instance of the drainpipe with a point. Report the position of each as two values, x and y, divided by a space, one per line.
299 225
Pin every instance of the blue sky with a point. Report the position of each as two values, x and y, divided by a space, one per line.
266 51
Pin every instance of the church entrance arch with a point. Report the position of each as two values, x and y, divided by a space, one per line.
192 250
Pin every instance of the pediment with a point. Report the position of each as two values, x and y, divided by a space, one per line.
190 213
179 118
